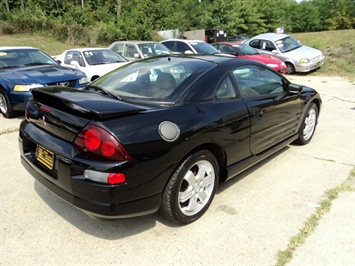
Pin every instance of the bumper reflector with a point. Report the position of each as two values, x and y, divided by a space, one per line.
106 178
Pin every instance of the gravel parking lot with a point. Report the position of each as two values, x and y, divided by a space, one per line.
251 218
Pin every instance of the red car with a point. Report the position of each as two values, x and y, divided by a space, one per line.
245 51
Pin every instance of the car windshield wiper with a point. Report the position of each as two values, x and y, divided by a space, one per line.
6 67
36 64
104 91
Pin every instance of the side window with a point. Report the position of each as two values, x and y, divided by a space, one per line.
226 49
256 81
268 46
73 56
170 45
254 44
226 90
118 48
130 50
182 47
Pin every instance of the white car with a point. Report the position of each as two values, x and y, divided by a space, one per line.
94 62
297 57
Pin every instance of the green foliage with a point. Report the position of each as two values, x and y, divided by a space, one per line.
102 21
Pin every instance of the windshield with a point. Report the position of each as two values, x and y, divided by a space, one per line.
100 57
246 50
161 79
153 49
287 44
24 57
204 48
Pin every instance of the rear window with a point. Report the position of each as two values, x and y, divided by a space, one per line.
157 79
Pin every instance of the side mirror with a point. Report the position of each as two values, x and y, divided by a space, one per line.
75 63
294 88
136 56
274 51
188 52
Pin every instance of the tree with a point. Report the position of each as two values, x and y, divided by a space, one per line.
343 16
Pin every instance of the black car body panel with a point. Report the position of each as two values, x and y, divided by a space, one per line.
240 131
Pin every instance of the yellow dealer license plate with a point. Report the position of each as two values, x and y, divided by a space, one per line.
45 156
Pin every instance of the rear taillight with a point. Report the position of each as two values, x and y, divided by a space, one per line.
98 142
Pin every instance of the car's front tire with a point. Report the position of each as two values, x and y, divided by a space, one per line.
290 69
5 105
308 126
191 188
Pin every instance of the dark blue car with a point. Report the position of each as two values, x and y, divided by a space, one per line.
24 68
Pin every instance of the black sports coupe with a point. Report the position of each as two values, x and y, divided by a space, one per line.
161 133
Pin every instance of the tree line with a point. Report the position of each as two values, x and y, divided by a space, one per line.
104 21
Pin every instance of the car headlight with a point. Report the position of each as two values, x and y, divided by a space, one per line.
22 87
84 80
272 65
304 60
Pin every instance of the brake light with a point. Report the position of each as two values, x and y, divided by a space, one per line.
92 139
96 141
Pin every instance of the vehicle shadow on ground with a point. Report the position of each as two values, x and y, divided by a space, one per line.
105 229
122 228
233 181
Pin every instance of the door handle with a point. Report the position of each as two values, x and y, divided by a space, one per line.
258 114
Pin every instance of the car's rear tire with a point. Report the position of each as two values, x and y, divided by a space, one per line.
5 106
308 126
191 188
290 68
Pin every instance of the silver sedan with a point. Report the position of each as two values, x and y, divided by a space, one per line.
297 57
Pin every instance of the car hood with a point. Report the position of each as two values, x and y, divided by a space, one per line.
47 74
105 68
266 59
303 52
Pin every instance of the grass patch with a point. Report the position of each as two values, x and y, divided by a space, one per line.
46 43
338 48
285 256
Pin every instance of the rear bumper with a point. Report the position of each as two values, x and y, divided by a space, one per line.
105 210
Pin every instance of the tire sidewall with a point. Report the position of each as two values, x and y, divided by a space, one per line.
290 68
176 182
301 140
9 113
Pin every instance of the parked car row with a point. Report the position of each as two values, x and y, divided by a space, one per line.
24 68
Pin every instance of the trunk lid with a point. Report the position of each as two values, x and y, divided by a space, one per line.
65 111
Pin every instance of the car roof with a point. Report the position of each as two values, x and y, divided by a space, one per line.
87 49
136 42
231 43
183 40
16 47
271 36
